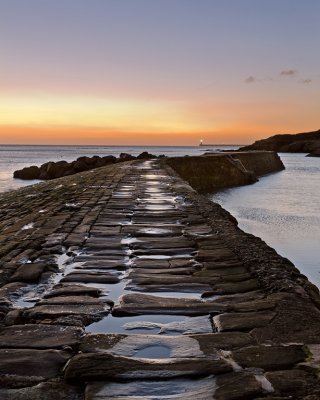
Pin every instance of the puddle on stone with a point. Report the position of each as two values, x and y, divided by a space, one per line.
155 352
127 188
111 324
155 231
154 198
178 389
152 190
73 205
28 226
158 207
157 199
174 295
163 257
129 240
27 296
159 184
155 176
112 291
126 195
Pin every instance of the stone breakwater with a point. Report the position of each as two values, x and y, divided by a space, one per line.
58 169
124 283
218 171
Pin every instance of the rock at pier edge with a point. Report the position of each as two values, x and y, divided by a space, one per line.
125 283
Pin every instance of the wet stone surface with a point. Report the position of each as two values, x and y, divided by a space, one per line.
124 283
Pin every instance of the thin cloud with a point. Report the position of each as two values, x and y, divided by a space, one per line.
250 79
289 72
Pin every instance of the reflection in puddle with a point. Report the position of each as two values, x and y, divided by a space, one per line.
163 257
155 231
175 295
155 176
27 296
178 389
158 207
143 324
157 351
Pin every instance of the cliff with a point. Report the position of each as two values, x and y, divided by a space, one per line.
308 142
218 171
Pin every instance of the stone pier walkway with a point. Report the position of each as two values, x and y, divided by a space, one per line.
123 283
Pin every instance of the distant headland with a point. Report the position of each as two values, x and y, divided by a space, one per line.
308 142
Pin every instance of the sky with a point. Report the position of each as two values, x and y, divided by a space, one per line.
157 72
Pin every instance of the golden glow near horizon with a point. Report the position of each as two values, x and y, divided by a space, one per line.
98 120
99 115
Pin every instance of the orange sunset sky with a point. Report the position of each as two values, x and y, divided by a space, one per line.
167 72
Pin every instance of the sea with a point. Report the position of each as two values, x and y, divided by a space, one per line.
283 208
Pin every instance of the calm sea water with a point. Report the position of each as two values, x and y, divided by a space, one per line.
284 210
17 157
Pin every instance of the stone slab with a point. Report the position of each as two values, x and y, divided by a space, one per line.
27 366
270 357
40 336
43 391
137 304
68 289
91 277
93 366
242 321
236 386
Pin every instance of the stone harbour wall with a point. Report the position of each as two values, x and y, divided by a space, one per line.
214 172
260 162
123 282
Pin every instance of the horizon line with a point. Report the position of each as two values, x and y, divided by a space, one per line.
117 145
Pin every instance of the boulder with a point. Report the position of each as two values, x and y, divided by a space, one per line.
145 156
80 165
56 170
109 160
126 157
32 172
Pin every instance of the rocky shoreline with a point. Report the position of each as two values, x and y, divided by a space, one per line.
307 142
58 169
123 282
